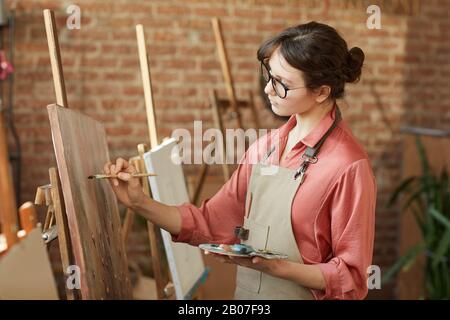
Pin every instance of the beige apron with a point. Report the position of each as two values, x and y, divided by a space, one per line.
270 199
267 225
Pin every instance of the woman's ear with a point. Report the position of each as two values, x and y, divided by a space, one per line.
322 93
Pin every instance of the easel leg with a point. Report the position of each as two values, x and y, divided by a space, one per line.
219 124
199 184
127 225
65 247
253 108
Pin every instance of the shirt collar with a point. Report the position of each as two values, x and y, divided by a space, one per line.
316 134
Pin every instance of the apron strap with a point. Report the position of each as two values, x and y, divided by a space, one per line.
310 155
267 155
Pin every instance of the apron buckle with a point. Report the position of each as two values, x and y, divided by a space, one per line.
308 158
241 233
300 174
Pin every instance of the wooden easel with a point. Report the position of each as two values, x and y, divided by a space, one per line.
162 279
222 107
52 196
163 291
164 284
55 225
8 211
232 103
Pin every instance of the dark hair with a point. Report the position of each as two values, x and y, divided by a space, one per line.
320 53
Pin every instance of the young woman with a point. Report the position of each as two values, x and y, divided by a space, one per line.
311 196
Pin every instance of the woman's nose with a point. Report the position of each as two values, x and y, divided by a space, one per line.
268 89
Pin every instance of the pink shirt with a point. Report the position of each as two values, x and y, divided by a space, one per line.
333 212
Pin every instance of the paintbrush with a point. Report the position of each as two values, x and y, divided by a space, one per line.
107 176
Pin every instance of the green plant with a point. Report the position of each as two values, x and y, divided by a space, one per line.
427 197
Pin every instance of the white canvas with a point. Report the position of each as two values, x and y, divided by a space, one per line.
169 187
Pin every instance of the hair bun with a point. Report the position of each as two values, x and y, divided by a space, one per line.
355 60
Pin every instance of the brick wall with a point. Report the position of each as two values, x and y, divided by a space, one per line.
405 80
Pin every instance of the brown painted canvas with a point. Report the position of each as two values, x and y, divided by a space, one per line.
91 207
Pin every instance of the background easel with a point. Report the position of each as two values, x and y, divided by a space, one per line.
221 108
163 278
232 103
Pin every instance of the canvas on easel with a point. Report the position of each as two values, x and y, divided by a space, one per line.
169 187
92 211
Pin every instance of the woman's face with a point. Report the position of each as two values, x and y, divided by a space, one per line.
299 100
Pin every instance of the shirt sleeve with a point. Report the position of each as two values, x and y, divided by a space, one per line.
353 199
215 220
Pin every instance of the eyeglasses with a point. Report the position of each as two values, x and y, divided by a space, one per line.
280 88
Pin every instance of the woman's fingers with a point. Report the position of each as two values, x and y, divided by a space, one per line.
225 247
219 257
120 164
124 176
113 170
130 169
106 169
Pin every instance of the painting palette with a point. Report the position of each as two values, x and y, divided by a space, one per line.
215 248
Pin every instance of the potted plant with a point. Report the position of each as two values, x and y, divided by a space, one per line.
427 197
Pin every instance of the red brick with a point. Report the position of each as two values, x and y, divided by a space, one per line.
250 13
173 10
120 76
132 63
141 117
155 51
97 7
164 36
211 12
211 64
118 131
179 64
246 39
117 49
285 14
135 8
98 62
202 25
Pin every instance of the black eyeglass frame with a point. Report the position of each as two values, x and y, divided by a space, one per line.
271 78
